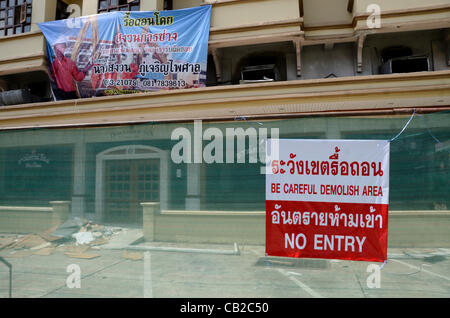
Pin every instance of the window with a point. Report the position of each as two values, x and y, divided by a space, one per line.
61 10
400 59
118 5
168 4
15 16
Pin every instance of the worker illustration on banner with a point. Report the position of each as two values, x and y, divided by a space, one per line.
127 52
328 199
65 74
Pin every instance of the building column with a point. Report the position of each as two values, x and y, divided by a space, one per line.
149 210
42 11
79 182
193 186
61 212
89 7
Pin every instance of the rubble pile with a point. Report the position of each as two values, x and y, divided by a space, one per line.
76 238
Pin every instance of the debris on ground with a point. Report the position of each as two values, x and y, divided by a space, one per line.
72 248
82 255
41 246
68 228
5 242
99 241
74 238
83 238
46 235
134 256
28 241
45 251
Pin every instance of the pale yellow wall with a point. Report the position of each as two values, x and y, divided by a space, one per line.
152 5
181 4
22 45
253 12
389 5
232 13
43 10
89 7
326 12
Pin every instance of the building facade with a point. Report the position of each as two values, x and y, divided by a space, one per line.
314 69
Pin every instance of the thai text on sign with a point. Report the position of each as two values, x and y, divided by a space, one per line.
328 199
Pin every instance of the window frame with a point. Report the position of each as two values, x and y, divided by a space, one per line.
117 7
21 16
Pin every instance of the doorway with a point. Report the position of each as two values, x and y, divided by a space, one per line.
127 176
127 184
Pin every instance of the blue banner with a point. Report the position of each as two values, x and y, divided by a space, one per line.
127 52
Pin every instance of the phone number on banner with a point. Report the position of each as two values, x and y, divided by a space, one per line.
145 83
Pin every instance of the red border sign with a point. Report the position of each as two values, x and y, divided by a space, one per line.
328 199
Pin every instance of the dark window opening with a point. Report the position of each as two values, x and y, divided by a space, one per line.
261 67
392 52
400 59
410 64
25 88
118 5
61 10
267 72
211 76
15 16
168 4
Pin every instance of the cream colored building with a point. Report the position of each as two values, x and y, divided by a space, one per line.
338 69
334 43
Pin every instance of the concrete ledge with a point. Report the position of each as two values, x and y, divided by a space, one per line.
210 213
20 219
425 213
406 228
243 229
26 209
392 94
419 229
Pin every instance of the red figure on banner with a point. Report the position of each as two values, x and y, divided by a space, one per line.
65 72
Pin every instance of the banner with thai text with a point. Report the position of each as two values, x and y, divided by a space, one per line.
127 52
328 199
